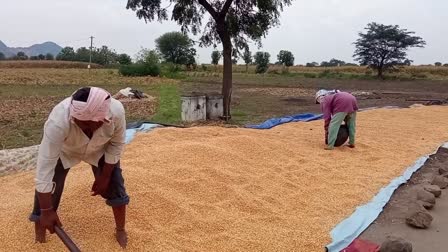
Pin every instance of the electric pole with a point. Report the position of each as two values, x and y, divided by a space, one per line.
91 48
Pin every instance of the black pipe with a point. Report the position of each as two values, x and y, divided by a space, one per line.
66 239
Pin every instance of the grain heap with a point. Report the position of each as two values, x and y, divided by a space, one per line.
226 189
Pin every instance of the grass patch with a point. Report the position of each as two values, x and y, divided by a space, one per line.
169 108
27 96
239 117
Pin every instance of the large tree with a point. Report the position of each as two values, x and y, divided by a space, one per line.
262 61
82 54
2 56
384 46
124 59
216 57
285 58
66 54
190 57
105 56
231 22
247 57
174 47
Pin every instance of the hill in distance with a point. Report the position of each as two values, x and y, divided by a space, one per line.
34 50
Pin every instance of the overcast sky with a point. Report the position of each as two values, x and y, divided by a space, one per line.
314 30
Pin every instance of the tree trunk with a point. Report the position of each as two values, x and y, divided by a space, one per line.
227 73
381 69
380 72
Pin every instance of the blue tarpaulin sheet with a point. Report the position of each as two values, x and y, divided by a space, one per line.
307 117
287 119
144 127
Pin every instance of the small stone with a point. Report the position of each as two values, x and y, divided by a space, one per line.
419 219
443 170
440 181
426 205
433 189
426 196
395 244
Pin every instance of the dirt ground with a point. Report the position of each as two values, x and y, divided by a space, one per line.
392 220
260 99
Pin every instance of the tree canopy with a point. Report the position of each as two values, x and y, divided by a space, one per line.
262 61
124 59
384 46
312 64
21 56
175 47
332 63
67 54
216 56
247 57
102 56
2 56
83 54
285 58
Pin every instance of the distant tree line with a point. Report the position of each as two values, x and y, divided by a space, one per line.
173 49
261 59
330 63
101 56
23 56
380 47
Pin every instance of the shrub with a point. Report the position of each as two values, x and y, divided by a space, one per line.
140 69
310 75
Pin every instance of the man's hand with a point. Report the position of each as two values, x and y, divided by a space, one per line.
48 219
102 181
100 185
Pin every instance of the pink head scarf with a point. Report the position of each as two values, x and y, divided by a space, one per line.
95 109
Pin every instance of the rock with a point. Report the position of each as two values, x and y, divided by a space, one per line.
395 244
440 181
445 175
419 218
434 189
426 205
443 170
426 196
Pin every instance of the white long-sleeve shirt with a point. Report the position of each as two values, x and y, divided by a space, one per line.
64 140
